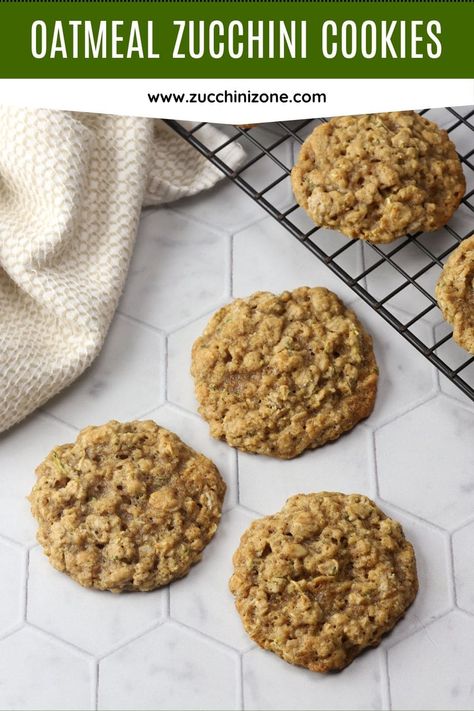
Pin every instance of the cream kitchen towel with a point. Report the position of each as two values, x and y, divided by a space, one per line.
71 189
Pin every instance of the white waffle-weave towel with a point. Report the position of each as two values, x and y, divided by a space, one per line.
71 189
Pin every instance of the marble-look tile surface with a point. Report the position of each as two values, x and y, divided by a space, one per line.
270 684
102 620
433 562
122 384
178 270
463 553
38 672
13 573
180 388
433 668
345 465
266 257
204 601
434 481
170 668
406 378
184 647
21 450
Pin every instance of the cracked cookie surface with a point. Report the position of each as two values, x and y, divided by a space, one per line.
455 293
379 176
128 506
278 374
323 579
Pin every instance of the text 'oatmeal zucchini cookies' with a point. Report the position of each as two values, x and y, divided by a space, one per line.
278 374
379 176
323 579
128 506
455 293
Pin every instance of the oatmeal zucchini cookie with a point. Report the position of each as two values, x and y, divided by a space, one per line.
278 374
128 506
379 176
323 579
455 293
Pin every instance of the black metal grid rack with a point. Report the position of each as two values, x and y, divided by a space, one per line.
397 280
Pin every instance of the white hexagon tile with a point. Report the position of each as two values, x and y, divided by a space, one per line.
21 449
102 621
171 667
179 270
40 672
183 647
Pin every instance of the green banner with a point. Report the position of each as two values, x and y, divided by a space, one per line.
236 39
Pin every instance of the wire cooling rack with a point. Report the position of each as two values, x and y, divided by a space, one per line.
397 280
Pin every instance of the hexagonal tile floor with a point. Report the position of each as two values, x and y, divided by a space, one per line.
183 647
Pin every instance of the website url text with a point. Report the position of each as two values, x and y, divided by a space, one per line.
237 97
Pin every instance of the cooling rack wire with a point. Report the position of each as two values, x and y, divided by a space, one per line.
397 280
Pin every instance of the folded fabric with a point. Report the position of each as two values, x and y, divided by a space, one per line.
71 189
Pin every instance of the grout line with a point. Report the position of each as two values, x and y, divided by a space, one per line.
164 362
373 465
241 687
53 416
16 544
239 227
426 523
250 511
218 304
130 640
231 266
144 324
437 371
466 406
210 226
180 410
465 524
452 570
234 474
146 415
457 399
414 406
60 640
95 686
388 686
26 585
237 472
205 635
422 627
13 630
364 267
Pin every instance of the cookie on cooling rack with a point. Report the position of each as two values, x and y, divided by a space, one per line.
278 374
323 579
128 506
455 293
379 176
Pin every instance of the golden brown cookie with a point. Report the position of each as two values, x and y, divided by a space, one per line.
323 579
278 374
455 293
379 176
128 506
